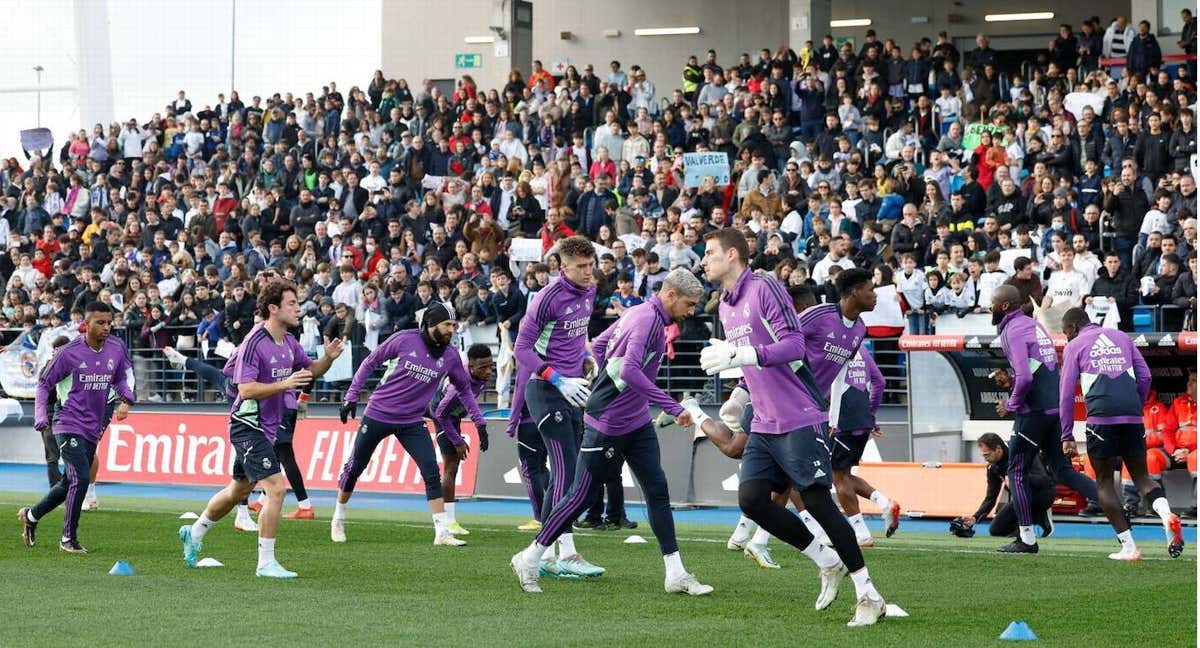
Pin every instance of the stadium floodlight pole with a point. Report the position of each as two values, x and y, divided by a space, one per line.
39 69
232 40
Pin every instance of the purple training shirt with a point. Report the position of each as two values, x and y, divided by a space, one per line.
1114 377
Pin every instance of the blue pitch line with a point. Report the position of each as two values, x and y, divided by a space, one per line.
32 478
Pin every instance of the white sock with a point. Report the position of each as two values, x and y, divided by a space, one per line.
30 516
822 555
440 522
760 537
201 527
861 531
91 491
339 511
533 553
814 527
881 500
1126 538
548 553
304 504
863 586
1027 535
741 532
266 551
1162 508
450 511
243 512
674 565
566 545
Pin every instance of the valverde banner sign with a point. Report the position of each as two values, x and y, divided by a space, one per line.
194 449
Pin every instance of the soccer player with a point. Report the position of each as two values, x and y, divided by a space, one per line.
447 410
417 360
269 362
736 414
1116 383
1034 405
53 474
787 442
550 352
531 459
618 429
80 374
853 386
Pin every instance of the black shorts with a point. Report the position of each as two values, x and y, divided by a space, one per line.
443 442
287 427
254 456
848 449
1116 440
799 458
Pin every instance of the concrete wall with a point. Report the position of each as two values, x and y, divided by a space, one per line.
895 20
728 27
421 37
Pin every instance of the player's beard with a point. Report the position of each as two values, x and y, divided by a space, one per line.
997 316
435 343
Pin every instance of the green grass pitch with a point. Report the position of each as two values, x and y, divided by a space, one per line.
389 586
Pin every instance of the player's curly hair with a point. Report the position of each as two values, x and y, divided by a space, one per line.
576 247
272 295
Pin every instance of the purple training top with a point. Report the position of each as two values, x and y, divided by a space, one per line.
1030 351
410 379
829 343
289 396
1114 376
854 410
554 334
263 359
628 354
80 377
758 312
447 408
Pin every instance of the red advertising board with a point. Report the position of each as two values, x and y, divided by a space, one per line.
178 448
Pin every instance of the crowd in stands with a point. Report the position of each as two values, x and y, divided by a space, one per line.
922 162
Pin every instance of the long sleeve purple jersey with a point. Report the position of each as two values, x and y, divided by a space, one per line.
554 334
628 354
447 408
861 396
80 378
411 377
1030 352
1114 377
758 312
263 359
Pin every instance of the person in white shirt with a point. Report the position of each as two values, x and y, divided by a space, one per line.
991 278
1067 285
1118 37
512 147
1085 262
1155 220
838 248
373 182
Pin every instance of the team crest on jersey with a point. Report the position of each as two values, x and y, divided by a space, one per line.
558 417
746 310
74 443
110 364
266 463
608 454
439 363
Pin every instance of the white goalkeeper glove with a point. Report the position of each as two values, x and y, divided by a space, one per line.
732 410
692 406
720 355
575 390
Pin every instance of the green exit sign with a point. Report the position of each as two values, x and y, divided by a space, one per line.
468 60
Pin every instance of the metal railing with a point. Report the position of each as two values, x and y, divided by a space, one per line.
156 380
